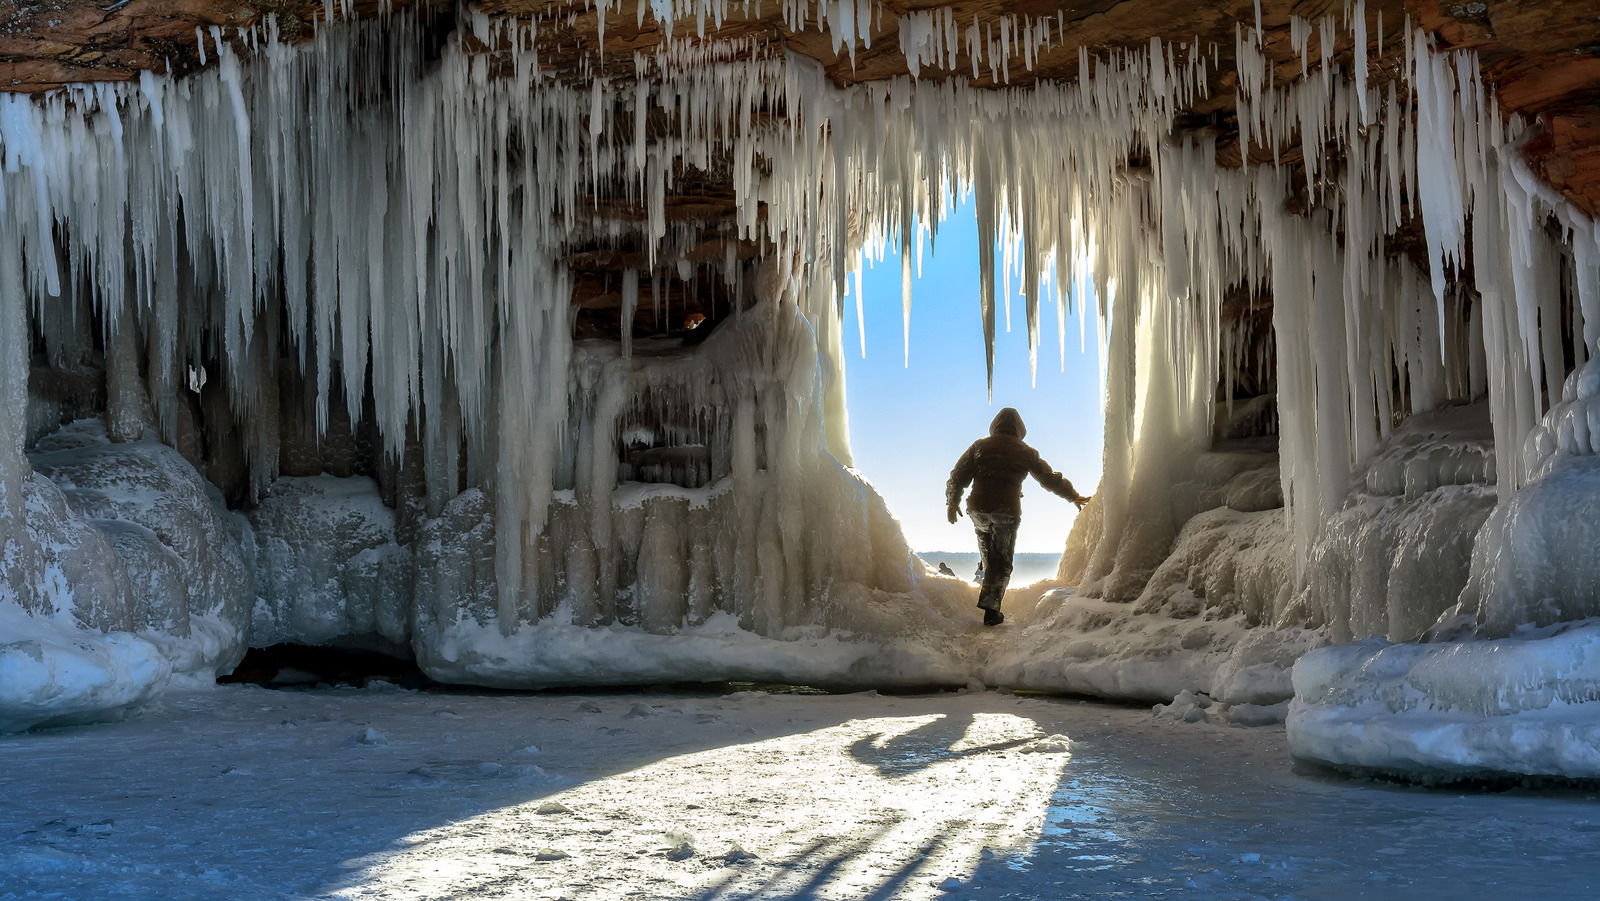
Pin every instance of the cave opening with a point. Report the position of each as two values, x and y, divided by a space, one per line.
918 392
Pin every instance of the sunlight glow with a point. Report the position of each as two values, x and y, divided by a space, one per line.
895 805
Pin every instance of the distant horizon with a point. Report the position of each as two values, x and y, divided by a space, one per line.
974 553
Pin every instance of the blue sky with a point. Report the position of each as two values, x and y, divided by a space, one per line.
909 425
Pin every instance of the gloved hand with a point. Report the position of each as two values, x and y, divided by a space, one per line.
953 512
1080 501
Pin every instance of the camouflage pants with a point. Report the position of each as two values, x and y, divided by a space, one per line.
997 542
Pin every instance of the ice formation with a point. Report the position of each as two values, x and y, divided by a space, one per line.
350 584
1523 705
324 244
128 542
257 242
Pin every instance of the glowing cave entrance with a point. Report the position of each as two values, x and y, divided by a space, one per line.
419 335
918 391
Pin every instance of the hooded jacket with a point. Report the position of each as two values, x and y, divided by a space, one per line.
996 467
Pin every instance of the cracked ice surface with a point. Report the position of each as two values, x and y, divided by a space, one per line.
386 793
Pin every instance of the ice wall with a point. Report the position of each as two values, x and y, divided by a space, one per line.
763 538
1363 339
267 218
708 563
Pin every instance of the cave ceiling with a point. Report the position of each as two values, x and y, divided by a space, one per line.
1542 58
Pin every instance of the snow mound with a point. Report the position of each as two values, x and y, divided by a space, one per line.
1049 744
1214 616
1528 705
371 736
682 846
1087 646
1198 707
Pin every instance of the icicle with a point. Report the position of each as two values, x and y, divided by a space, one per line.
1361 58
630 303
905 288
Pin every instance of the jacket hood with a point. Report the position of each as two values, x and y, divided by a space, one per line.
1008 422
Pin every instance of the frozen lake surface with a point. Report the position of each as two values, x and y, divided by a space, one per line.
245 793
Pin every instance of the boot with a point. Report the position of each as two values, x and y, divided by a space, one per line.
993 617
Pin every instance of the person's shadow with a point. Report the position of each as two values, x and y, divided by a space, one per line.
924 746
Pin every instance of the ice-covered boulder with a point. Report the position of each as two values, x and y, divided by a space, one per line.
454 569
1239 474
328 569
62 563
1389 566
1224 563
1527 705
183 551
128 572
184 554
1534 559
67 647
1254 490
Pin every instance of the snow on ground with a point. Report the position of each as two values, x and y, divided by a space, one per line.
244 793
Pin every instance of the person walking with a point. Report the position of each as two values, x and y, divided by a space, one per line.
995 467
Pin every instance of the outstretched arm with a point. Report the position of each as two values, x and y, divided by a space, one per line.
1054 482
960 478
